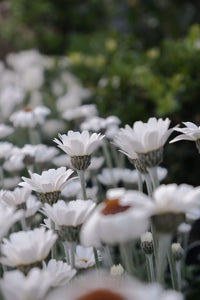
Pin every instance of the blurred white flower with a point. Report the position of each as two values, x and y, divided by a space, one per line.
114 222
60 272
191 132
11 182
98 124
80 112
10 96
34 286
53 126
8 216
117 270
103 286
73 213
5 130
29 117
5 149
27 247
72 189
96 163
16 197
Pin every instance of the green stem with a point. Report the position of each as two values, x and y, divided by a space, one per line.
107 155
154 177
155 242
126 258
96 258
53 249
65 246
150 267
148 184
23 224
140 182
163 246
81 174
178 272
71 254
173 272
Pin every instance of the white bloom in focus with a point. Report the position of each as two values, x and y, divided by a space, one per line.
79 143
114 222
29 117
49 181
84 257
60 272
73 213
191 132
8 216
27 247
34 286
5 130
143 137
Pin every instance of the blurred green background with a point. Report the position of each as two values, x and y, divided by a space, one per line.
141 58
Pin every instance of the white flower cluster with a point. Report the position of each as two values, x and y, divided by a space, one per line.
56 224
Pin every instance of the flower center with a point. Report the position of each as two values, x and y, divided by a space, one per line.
82 259
27 109
102 294
112 207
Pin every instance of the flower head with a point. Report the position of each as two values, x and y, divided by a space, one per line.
79 143
27 247
8 216
191 132
49 181
84 257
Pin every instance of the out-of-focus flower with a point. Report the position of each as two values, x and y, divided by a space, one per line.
114 222
79 146
52 126
16 197
69 217
5 130
170 204
60 272
103 286
34 286
80 112
98 124
5 150
49 184
10 96
117 270
29 117
27 247
8 216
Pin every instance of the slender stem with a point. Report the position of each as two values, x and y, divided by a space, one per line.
154 177
172 270
163 246
96 257
2 177
155 242
34 136
106 256
107 155
65 246
126 258
71 254
148 184
53 249
81 174
150 266
178 272
140 182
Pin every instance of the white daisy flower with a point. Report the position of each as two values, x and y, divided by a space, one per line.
103 286
34 286
60 272
170 204
8 216
32 206
5 150
97 124
145 139
190 133
80 112
79 143
49 184
29 117
114 222
79 146
73 213
27 247
16 197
